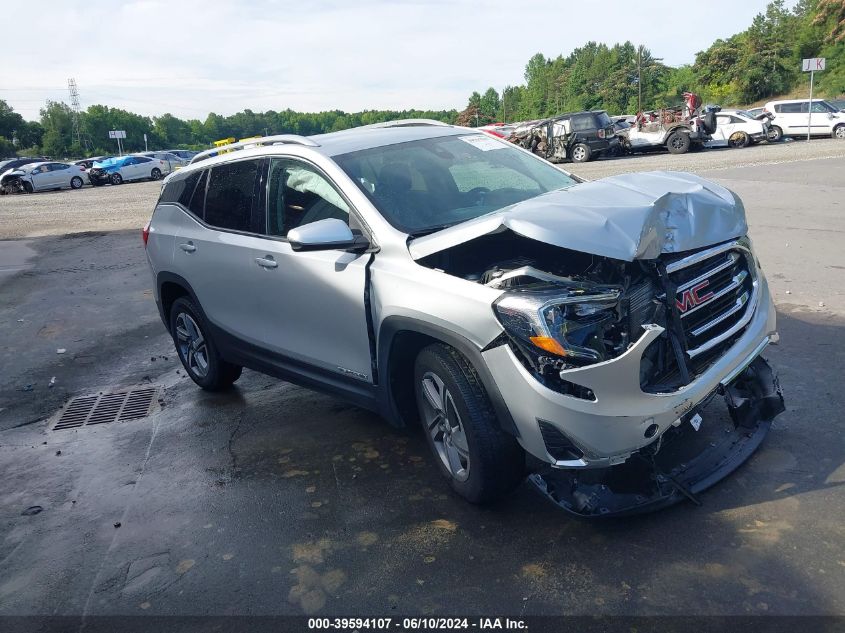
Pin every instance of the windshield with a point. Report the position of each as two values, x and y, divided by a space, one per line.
425 185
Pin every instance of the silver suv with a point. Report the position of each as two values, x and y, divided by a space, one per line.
535 324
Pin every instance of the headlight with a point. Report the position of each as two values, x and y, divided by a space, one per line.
581 324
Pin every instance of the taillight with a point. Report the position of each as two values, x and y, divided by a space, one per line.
601 133
145 233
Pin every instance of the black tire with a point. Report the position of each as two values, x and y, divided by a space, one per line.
739 139
775 134
581 153
678 142
116 179
27 187
710 122
155 174
76 182
496 462
219 374
838 132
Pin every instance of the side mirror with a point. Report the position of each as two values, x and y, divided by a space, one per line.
330 234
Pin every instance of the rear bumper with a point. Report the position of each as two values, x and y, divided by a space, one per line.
99 178
660 478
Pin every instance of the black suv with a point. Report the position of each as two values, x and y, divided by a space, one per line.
579 136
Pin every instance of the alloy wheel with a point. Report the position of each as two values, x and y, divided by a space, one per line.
840 132
191 344
578 154
443 423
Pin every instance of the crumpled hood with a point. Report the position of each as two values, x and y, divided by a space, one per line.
626 217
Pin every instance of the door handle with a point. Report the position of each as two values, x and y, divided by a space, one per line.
188 248
266 262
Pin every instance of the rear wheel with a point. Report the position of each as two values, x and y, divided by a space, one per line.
678 143
481 462
155 174
775 134
197 350
116 179
76 182
581 153
838 132
739 139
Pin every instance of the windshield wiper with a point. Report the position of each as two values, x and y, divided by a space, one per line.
431 229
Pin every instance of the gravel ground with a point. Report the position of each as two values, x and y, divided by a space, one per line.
129 206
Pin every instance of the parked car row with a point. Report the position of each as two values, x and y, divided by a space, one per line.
28 175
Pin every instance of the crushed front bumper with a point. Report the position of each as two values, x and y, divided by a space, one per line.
686 462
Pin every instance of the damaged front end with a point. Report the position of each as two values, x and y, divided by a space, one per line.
12 182
616 357
703 449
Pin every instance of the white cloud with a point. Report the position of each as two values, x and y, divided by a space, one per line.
191 57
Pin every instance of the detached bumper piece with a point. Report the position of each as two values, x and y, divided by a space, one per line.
683 462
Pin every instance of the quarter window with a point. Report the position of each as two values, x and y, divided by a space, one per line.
228 202
180 190
299 194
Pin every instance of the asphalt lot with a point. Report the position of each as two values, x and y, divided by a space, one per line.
273 499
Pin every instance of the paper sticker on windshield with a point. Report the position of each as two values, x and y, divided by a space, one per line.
482 142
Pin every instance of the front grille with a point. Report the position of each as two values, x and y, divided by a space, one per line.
715 296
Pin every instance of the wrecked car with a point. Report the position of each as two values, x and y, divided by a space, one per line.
42 176
678 128
604 338
577 136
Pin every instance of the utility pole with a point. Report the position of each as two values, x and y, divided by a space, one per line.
81 137
639 78
504 111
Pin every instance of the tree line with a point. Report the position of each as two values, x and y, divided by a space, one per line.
760 62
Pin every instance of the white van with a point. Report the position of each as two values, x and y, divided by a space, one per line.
792 117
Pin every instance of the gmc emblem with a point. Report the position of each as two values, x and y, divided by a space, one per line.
692 297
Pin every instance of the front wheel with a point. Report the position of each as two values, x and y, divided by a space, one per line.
116 179
581 153
480 460
197 350
838 132
27 186
155 174
76 182
678 143
775 134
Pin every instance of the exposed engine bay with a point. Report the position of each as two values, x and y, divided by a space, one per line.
599 329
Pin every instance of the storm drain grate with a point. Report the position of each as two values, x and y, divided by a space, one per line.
116 406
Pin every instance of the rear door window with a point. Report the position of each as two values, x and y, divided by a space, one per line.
197 198
583 123
228 200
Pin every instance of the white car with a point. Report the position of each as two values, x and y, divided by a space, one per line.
737 128
43 177
172 160
119 169
792 117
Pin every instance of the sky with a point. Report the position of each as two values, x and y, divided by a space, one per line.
190 57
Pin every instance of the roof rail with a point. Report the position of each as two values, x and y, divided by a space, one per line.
407 123
278 139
